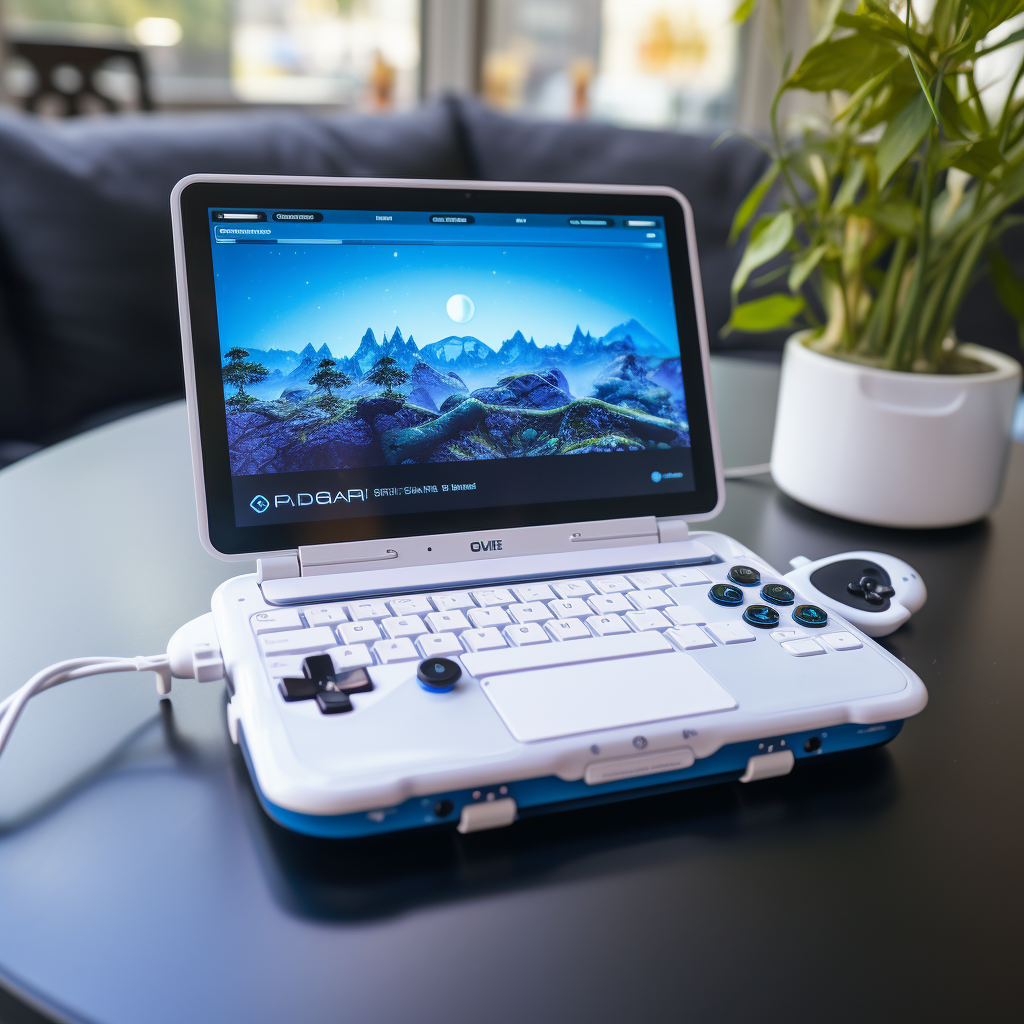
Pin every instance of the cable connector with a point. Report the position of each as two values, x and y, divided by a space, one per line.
194 652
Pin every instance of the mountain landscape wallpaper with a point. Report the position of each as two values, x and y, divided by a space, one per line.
362 401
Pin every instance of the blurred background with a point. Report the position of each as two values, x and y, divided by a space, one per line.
665 64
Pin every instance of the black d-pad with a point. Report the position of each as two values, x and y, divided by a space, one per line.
856 583
870 589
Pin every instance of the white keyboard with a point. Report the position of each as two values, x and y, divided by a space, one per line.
525 625
553 656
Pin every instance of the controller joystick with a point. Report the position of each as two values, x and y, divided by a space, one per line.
874 591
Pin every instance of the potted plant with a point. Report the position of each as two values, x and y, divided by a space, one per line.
891 207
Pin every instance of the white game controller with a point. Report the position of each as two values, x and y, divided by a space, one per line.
874 591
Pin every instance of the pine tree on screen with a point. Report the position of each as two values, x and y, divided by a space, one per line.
238 372
388 375
328 377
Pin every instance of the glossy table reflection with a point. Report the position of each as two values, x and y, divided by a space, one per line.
141 884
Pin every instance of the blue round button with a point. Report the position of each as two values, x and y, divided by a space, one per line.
777 593
810 615
761 616
726 593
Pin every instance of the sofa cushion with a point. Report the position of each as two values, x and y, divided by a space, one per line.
715 180
88 314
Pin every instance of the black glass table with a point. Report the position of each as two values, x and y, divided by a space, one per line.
140 883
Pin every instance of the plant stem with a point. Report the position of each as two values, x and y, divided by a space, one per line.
901 347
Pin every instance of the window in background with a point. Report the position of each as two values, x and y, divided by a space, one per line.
349 52
215 52
652 63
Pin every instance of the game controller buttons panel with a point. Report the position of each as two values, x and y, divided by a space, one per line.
856 583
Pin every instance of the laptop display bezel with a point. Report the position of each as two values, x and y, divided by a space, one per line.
191 204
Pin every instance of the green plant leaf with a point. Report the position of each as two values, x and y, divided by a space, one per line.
1009 288
847 191
753 200
801 270
844 64
770 236
904 133
768 314
924 87
744 11
979 159
898 218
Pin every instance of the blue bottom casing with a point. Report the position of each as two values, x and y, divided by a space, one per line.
544 795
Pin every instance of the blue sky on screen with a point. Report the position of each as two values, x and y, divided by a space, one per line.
275 296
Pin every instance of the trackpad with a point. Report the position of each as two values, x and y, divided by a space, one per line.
545 703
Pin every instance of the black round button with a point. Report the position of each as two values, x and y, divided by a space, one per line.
726 593
443 808
778 593
761 616
744 576
810 615
438 675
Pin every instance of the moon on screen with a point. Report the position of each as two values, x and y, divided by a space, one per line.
460 308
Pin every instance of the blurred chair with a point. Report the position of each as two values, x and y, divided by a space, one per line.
68 76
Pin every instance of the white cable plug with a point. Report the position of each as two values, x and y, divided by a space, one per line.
192 653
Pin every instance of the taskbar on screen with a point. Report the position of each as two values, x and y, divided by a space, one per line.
281 498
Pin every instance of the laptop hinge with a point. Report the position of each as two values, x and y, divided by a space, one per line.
325 559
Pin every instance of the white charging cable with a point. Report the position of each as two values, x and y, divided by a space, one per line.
193 653
737 472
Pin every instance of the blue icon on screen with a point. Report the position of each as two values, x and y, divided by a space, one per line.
656 477
259 504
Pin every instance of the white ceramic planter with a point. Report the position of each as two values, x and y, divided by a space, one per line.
889 448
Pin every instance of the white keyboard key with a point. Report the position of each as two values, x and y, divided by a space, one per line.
571 608
297 641
523 633
404 625
284 667
483 639
445 622
418 604
387 651
644 599
681 595
536 611
647 580
605 604
358 632
607 625
612 584
686 577
437 645
325 615
484 617
652 619
690 638
571 699
356 656
803 648
495 595
452 600
595 648
789 633
272 622
729 632
573 588
567 629
368 610
842 641
686 615
530 592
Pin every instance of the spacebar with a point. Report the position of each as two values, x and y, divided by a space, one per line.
565 652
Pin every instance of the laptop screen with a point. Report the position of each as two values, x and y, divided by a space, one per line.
395 362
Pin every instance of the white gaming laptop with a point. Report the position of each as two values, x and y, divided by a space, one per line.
465 427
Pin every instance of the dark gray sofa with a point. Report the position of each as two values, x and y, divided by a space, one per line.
88 317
